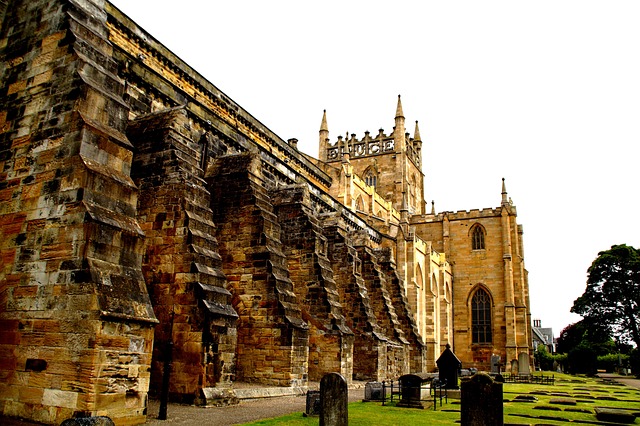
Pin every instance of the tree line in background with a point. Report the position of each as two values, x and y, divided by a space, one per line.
608 336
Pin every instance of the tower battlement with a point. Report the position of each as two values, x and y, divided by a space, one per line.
398 141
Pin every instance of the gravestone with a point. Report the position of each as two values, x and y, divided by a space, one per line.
373 392
523 364
411 390
333 400
495 364
313 403
514 367
88 421
481 401
448 367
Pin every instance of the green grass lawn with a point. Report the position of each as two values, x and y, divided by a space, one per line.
588 393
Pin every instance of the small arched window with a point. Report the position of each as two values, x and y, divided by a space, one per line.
371 176
477 238
481 317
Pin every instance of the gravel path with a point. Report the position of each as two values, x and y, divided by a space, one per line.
246 411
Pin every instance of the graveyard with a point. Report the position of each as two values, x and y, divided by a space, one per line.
568 399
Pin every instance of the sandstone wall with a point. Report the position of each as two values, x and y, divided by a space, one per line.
145 216
76 319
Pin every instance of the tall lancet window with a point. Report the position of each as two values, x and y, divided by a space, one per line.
481 317
477 238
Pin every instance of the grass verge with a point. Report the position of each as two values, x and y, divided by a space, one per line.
587 393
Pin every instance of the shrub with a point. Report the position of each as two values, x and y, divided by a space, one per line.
611 362
582 360
543 358
634 361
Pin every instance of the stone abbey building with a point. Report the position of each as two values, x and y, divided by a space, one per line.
145 217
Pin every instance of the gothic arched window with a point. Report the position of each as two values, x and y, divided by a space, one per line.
477 238
481 317
370 179
371 176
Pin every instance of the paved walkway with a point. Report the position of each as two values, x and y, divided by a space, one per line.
246 411
630 381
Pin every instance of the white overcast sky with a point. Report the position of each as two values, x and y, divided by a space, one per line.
543 93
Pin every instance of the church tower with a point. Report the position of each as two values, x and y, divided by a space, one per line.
389 163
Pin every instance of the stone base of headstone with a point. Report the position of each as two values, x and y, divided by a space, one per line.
88 421
410 405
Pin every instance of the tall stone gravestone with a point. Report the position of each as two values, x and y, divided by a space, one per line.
333 400
523 364
448 367
481 401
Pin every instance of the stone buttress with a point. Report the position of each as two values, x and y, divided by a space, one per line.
396 350
370 345
417 351
76 319
182 266
330 340
272 335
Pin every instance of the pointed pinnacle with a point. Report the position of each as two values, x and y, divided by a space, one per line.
399 112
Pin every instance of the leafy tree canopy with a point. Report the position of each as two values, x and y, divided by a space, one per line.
586 334
612 297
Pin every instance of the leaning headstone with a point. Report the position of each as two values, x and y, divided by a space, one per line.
448 367
88 421
481 401
495 364
373 392
333 400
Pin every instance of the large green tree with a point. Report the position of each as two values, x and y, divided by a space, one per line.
612 297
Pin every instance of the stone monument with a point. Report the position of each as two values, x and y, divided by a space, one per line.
333 400
481 401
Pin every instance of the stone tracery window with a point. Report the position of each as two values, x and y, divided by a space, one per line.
370 179
477 237
481 317
371 176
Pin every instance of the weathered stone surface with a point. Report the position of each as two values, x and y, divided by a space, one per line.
481 401
334 398
140 206
614 415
